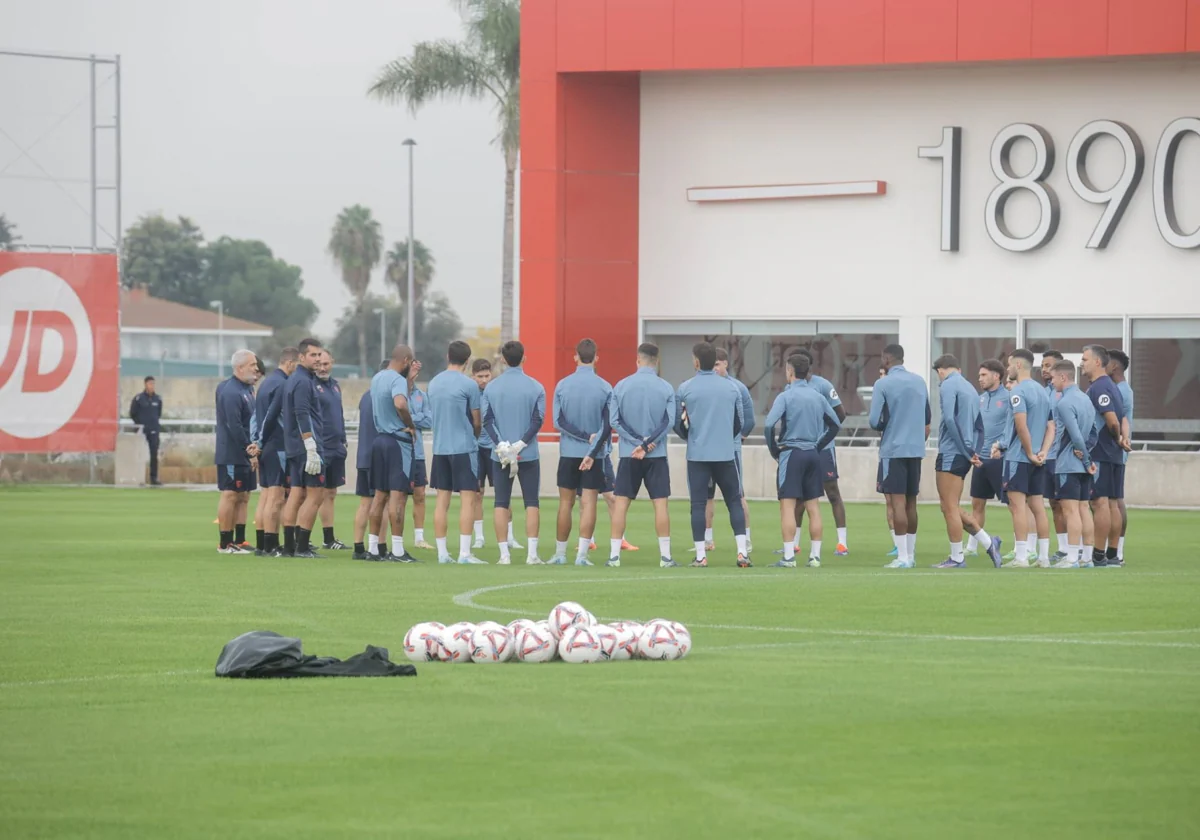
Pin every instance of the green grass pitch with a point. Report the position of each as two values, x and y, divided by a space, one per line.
843 702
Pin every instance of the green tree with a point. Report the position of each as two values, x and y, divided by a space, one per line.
397 273
349 330
166 258
356 245
486 64
9 238
254 284
440 326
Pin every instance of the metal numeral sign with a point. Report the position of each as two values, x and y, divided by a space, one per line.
1115 199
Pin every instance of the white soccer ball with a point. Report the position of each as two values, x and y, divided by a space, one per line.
579 646
455 643
608 639
627 640
567 614
490 625
519 626
658 641
491 644
422 641
536 644
589 620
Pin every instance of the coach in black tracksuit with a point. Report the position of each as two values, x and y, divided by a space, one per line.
146 411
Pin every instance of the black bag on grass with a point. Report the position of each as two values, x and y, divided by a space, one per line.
261 654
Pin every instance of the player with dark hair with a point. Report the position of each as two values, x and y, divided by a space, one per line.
1118 365
514 408
392 452
481 372
807 422
722 368
1049 359
995 413
959 437
329 392
146 413
302 430
1073 413
454 401
1025 452
272 458
363 488
900 412
235 447
1112 427
709 417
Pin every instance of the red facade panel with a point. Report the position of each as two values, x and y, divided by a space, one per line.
847 32
540 142
1193 25
920 31
602 123
541 214
708 34
994 31
1069 28
639 34
602 216
1141 27
777 33
538 39
580 35
600 300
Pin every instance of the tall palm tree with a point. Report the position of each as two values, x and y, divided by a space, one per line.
8 235
396 272
356 245
486 64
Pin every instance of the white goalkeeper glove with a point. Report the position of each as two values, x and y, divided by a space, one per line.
312 461
516 449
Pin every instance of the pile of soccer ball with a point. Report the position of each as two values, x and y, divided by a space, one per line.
571 634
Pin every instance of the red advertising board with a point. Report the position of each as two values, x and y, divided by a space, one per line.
60 350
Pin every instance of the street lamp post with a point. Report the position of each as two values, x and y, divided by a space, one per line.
411 307
219 305
382 313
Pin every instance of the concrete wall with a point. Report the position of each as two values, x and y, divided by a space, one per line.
1153 478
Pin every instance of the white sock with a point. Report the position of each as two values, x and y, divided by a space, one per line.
1064 542
974 542
504 550
789 550
700 551
796 541
372 544
747 532
464 545
397 545
664 547
419 534
982 538
1121 548
560 548
533 544
1069 550
1086 555
478 529
1022 551
912 546
815 549
708 535
441 547
901 541
742 539
841 532
614 548
956 551
1043 549
1031 542
510 532
584 544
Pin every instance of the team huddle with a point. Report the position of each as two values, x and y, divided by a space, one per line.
1033 442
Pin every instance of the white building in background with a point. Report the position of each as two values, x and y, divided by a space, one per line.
156 331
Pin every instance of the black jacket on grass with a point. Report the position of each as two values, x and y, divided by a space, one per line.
261 654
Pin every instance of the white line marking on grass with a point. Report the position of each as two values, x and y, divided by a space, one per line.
100 678
467 599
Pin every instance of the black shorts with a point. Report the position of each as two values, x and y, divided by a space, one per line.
1109 481
530 475
297 477
1023 477
610 478
958 465
799 475
1073 487
335 472
632 473
737 463
391 464
1050 482
898 476
456 473
419 477
571 477
723 474
362 487
987 482
829 470
485 468
272 468
238 478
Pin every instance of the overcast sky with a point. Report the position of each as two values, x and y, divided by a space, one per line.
250 117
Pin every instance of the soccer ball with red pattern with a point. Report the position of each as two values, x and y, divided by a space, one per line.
455 642
659 641
422 641
535 644
567 614
580 645
491 644
628 633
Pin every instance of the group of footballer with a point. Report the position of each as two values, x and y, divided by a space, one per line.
1031 442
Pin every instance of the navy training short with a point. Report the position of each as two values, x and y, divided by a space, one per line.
455 473
898 476
335 472
272 468
1109 481
958 465
485 468
419 476
571 477
829 470
1049 482
236 478
530 475
391 464
737 463
987 482
297 477
632 473
724 474
799 475
1023 477
1073 487
362 487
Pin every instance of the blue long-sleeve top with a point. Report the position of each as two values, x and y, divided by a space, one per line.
805 419
747 406
961 428
301 412
1074 413
642 410
580 411
714 413
235 422
825 388
995 412
900 412
453 400
1127 396
267 405
366 431
1028 398
513 408
422 417
333 419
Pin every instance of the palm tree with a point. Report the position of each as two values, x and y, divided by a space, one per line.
8 235
397 272
486 64
356 245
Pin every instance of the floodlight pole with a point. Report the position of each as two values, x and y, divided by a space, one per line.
411 304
